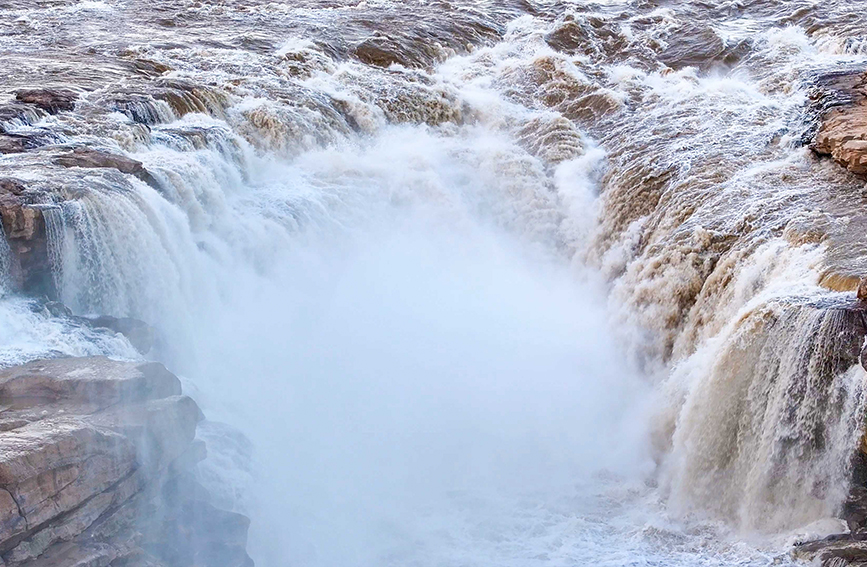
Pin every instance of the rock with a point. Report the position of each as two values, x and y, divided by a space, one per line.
842 132
834 551
854 511
18 112
194 532
141 335
700 46
16 143
185 96
862 358
381 51
11 144
57 309
150 68
49 100
95 469
24 227
861 292
91 158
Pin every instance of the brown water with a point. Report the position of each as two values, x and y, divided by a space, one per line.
445 159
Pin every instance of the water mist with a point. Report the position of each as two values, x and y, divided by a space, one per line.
403 388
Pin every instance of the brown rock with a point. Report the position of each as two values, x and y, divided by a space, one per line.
90 158
24 227
49 100
92 382
91 459
10 144
861 293
842 132
11 521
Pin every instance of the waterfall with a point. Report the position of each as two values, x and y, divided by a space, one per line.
5 263
55 233
766 438
469 283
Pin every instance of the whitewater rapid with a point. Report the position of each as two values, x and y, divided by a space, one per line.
464 284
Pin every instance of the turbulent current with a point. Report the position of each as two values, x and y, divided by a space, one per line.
465 283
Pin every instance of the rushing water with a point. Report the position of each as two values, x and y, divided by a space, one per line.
470 283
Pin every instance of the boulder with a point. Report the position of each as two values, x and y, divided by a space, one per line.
96 468
49 100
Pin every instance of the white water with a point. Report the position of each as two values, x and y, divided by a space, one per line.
400 324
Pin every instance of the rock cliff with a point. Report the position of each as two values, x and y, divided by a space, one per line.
96 468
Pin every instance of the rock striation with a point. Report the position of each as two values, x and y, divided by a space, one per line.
24 228
842 132
97 463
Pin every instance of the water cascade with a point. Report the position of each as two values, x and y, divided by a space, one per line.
515 283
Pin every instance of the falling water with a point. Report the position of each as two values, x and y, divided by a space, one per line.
513 283
55 235
6 260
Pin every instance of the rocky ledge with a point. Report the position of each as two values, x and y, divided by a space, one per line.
97 461
842 129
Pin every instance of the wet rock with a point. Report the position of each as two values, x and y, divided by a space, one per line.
95 469
185 97
14 143
842 130
17 112
701 47
91 158
49 100
854 511
381 51
834 551
141 335
24 228
861 292
57 309
10 144
194 532
150 68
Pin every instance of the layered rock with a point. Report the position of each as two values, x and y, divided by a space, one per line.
25 208
96 468
49 100
842 132
24 229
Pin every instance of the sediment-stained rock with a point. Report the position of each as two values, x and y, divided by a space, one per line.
49 100
842 133
91 158
95 469
24 229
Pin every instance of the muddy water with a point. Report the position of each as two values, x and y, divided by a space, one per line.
377 237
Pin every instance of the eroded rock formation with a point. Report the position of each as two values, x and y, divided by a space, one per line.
24 228
49 100
842 133
96 462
